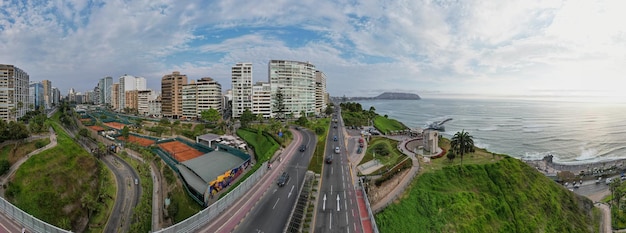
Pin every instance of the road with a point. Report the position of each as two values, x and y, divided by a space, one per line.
337 209
272 212
228 220
128 193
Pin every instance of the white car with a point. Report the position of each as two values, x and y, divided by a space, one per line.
337 150
609 180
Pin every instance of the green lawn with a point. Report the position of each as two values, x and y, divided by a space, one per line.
390 160
507 196
386 125
60 184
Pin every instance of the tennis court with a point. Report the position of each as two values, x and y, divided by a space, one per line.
180 151
139 140
115 125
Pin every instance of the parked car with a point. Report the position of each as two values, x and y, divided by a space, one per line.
609 180
283 179
337 150
329 159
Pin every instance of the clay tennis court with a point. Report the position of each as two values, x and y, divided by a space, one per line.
180 151
96 128
85 120
115 125
139 140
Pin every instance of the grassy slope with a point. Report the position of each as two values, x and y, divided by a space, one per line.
21 151
264 147
385 125
392 145
507 196
50 184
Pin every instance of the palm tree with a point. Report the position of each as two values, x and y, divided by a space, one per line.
461 144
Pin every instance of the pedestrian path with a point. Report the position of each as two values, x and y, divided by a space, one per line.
18 163
363 215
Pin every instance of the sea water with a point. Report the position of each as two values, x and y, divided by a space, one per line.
574 132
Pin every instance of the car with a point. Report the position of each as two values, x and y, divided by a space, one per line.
302 148
599 180
609 180
335 138
337 150
335 126
329 159
283 179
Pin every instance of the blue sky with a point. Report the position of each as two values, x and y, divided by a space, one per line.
433 48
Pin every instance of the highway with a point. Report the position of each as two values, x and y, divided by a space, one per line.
229 219
272 212
337 209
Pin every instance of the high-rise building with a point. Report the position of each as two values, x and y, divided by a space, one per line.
129 83
241 88
320 92
143 99
171 94
296 81
105 90
47 93
115 95
56 96
36 97
200 96
154 107
71 95
13 92
262 99
131 101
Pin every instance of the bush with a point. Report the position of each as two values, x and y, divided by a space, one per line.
380 149
40 144
4 166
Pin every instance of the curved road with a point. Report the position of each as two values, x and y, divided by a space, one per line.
128 193
272 212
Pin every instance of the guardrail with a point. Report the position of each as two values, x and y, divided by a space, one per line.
26 220
369 210
205 216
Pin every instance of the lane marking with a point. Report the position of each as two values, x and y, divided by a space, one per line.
330 226
276 203
288 196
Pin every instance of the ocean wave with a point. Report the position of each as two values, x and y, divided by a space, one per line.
489 128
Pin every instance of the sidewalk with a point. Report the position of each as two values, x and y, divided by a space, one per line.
16 165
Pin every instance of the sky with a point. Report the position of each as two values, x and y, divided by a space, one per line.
432 48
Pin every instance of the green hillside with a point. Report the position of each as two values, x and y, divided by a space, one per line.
507 196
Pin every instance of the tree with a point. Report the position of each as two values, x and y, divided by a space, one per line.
259 118
451 155
125 133
4 166
462 143
279 105
246 117
329 109
211 115
174 125
274 126
302 121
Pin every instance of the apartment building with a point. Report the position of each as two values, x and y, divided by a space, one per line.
129 83
320 92
56 96
105 86
241 74
200 96
115 95
171 94
13 92
262 99
47 93
154 107
143 99
296 81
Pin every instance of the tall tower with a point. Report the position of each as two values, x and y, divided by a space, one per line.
242 88
14 95
296 81
171 94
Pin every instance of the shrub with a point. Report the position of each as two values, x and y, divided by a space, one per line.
4 166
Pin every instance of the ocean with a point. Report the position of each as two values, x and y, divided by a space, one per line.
574 132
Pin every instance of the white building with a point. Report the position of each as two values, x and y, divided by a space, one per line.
154 107
296 81
13 92
105 90
200 96
262 99
143 99
241 88
320 92
129 83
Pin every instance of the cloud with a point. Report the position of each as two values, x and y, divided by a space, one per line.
363 47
